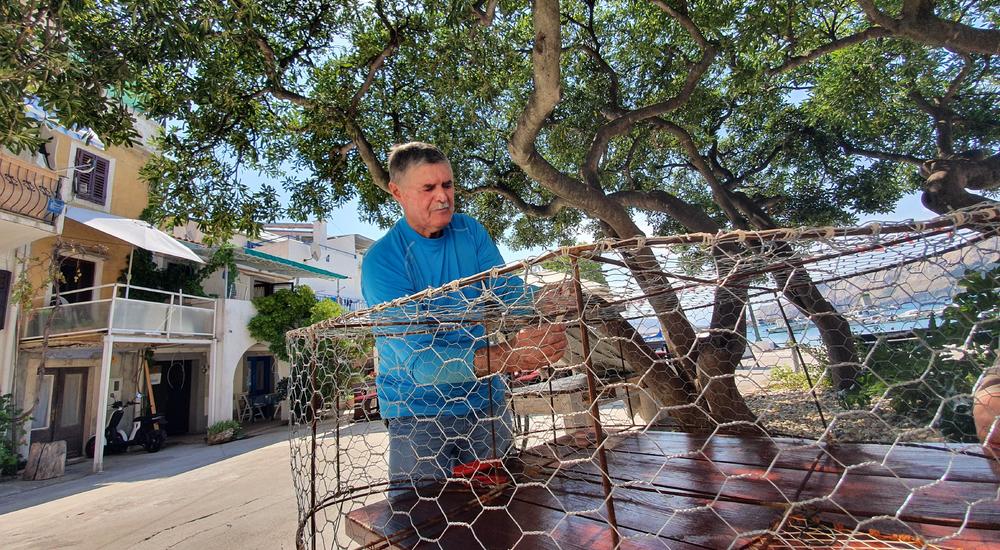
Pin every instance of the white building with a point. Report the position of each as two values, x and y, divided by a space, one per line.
309 244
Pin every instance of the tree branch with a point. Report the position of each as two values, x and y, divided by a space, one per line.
307 43
917 22
956 83
692 217
614 97
720 194
380 176
545 57
797 61
881 155
754 170
373 67
485 17
535 211
626 120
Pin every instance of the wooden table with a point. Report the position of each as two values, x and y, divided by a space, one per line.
680 491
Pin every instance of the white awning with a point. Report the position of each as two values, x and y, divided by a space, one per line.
136 232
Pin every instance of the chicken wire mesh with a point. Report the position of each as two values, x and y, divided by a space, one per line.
808 387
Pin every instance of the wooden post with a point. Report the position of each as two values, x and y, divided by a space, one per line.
149 387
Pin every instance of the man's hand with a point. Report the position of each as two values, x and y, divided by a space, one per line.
555 299
532 348
537 347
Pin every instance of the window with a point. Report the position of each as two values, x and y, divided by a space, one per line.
40 416
90 178
5 282
77 276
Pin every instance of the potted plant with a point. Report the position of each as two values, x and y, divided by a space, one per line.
224 431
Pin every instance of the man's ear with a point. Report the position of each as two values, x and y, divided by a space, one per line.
394 190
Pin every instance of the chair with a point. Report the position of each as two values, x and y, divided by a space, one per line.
366 406
257 404
243 408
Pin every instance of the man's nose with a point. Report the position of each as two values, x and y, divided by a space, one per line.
442 195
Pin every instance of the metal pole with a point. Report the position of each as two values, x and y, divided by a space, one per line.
128 277
797 353
102 402
489 392
313 399
753 321
595 412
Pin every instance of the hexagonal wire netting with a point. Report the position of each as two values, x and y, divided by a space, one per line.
787 388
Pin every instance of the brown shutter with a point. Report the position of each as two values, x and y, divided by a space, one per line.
82 178
5 280
100 179
91 184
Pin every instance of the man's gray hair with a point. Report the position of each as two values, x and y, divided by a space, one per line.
404 156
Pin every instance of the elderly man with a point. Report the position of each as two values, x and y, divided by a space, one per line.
441 394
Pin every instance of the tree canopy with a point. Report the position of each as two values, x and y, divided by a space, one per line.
567 114
700 114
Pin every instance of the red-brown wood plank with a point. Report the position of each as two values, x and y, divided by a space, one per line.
696 492
457 520
935 461
941 502
722 524
675 518
965 538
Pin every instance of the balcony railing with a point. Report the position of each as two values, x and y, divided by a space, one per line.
26 189
123 309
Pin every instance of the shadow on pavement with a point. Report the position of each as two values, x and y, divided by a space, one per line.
180 455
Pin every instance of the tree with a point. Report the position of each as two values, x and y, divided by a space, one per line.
66 57
286 310
589 269
701 115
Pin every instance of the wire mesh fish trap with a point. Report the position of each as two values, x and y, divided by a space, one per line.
714 390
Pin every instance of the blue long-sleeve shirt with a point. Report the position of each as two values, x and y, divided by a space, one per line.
426 368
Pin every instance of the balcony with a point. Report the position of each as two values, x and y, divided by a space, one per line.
126 310
25 190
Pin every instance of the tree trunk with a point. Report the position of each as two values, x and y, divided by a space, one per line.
672 393
835 331
719 356
948 180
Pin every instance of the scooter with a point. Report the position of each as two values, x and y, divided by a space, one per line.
147 430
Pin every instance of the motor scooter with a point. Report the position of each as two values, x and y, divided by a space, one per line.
147 430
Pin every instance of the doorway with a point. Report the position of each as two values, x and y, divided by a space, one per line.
261 379
173 393
76 274
62 405
260 382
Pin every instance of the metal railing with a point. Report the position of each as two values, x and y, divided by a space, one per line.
123 309
26 189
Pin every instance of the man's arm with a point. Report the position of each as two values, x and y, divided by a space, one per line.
533 348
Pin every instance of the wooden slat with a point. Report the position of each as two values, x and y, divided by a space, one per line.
954 463
456 520
944 502
682 491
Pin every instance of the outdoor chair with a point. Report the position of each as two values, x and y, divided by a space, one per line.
257 404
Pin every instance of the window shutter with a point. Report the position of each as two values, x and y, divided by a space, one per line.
5 281
82 178
100 180
91 183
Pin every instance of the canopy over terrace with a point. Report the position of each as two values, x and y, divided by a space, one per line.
268 263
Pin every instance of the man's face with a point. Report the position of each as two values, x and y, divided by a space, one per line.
427 195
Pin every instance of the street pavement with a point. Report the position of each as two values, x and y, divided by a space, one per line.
189 495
